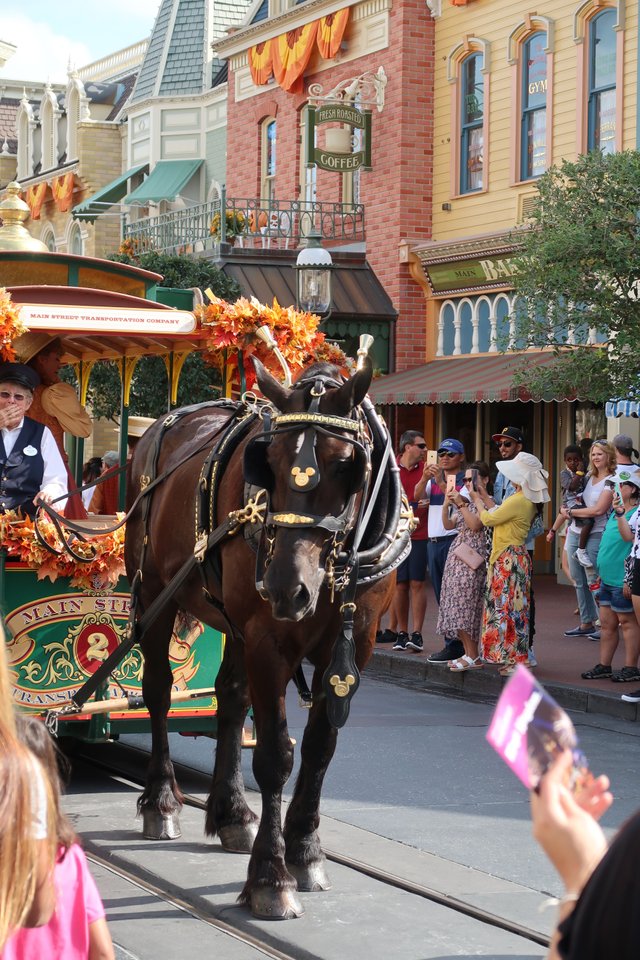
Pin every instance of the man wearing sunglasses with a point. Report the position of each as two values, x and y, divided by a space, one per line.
31 468
411 590
433 488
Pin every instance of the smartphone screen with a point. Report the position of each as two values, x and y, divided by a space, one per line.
451 483
432 458
474 479
529 729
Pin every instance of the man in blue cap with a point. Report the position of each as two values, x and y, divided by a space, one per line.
433 488
31 468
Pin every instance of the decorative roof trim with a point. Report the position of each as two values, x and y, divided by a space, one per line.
446 251
240 40
49 175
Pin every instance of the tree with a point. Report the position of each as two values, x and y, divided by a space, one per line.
579 271
149 388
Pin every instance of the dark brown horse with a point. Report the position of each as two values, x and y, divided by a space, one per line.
323 457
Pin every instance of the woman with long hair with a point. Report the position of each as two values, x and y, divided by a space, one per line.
597 497
27 831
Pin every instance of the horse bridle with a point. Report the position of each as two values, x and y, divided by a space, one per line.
304 476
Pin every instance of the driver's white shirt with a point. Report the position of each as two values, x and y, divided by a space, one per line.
54 478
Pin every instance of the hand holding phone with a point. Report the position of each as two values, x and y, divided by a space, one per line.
432 458
451 485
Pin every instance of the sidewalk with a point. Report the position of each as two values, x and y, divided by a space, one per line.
561 661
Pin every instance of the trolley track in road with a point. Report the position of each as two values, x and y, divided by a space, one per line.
125 769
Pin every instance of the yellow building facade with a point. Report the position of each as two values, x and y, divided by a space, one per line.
518 88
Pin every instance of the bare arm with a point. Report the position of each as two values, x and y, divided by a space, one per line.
602 506
447 520
472 520
100 942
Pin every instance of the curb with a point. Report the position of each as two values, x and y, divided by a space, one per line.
484 686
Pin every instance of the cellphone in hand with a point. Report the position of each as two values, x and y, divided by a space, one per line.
432 458
451 484
474 478
529 729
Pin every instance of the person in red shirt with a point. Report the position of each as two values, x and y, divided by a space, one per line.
411 589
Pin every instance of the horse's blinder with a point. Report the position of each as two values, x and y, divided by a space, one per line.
256 467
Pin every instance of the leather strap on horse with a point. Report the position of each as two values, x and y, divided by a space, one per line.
137 628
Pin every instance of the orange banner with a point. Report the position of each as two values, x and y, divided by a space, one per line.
35 198
260 62
330 33
291 53
62 190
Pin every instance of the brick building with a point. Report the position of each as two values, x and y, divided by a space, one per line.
266 139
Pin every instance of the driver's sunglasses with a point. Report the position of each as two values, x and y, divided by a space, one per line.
422 446
18 397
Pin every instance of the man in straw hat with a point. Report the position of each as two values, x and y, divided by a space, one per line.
55 403
31 468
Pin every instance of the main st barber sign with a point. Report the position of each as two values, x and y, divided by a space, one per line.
338 161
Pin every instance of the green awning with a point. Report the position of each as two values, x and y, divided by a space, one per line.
165 181
105 197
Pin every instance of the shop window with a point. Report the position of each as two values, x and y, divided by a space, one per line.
601 104
472 124
268 155
533 129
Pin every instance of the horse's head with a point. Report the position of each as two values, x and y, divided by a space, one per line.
317 463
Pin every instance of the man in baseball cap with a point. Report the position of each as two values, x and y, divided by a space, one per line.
625 450
31 468
513 434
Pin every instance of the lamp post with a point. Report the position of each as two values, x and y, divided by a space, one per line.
313 281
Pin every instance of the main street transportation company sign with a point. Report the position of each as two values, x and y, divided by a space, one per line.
44 316
347 115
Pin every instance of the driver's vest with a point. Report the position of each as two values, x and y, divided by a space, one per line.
21 473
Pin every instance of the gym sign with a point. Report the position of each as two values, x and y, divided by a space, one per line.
339 161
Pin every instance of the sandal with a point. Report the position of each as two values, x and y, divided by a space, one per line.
626 675
465 663
599 672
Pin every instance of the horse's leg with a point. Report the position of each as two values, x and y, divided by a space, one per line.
161 800
227 810
304 857
270 888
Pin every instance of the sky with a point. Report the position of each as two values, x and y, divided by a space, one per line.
51 33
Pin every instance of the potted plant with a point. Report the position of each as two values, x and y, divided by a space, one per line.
235 221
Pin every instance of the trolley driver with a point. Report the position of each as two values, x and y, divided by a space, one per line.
31 468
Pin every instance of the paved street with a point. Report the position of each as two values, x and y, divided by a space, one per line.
416 768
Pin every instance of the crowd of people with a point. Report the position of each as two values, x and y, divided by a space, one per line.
475 540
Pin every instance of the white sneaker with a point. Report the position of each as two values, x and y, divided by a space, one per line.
531 659
583 558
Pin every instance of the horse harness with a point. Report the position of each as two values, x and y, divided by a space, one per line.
345 565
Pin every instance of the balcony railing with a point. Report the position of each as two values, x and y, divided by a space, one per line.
248 222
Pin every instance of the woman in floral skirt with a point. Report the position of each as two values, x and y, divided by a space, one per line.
462 591
505 622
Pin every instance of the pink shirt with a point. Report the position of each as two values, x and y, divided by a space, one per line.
66 936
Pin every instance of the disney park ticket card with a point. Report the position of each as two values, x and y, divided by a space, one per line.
529 729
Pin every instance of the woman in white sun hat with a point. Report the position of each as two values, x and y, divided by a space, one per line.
505 622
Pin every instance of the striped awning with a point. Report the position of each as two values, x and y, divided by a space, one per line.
623 408
467 379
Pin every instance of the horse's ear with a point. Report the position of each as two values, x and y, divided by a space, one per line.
269 386
353 391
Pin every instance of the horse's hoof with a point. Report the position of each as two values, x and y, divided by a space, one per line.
269 904
310 878
238 837
158 826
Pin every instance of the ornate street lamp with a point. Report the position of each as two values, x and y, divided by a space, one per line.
313 280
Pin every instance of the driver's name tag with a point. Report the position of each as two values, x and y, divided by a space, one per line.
30 451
